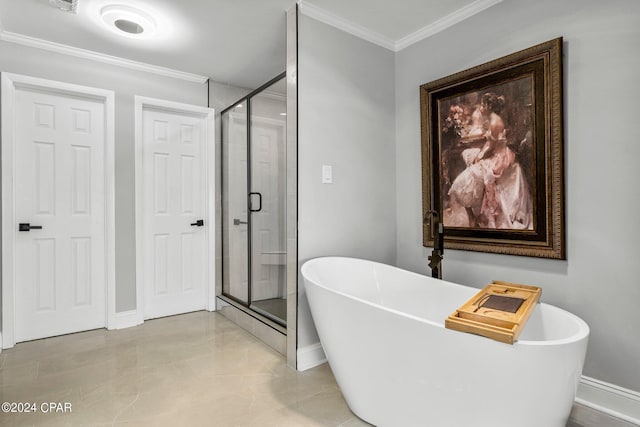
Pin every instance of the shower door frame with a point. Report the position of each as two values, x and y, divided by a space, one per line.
247 305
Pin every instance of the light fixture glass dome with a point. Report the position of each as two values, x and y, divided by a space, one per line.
128 21
128 26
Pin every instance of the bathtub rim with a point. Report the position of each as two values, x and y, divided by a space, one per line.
581 334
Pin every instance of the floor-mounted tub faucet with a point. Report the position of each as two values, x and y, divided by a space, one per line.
437 233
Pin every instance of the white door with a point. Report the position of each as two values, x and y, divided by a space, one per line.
59 185
174 212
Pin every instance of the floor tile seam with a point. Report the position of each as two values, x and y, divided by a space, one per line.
103 389
141 418
6 389
344 423
257 398
328 391
69 369
115 419
15 364
10 366
99 364
295 409
274 410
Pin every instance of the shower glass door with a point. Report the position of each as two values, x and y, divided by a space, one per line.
253 196
268 243
235 218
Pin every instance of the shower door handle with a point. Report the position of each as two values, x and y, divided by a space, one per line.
259 202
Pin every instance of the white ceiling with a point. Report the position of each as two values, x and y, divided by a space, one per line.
240 42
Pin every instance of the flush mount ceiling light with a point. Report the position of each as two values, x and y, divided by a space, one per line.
128 21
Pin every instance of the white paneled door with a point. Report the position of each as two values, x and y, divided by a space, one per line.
59 228
174 219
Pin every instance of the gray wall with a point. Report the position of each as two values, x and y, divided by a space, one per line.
126 84
346 119
599 281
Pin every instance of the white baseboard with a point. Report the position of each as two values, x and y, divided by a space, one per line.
127 319
610 399
310 357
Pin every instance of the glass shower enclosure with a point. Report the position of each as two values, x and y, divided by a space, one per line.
254 201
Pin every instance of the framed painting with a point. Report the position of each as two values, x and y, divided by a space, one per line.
492 155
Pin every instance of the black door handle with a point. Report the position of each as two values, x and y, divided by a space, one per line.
25 226
259 201
198 223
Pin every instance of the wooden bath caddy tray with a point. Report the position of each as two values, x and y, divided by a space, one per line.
499 311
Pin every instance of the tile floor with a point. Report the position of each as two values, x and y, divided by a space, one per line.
197 369
191 370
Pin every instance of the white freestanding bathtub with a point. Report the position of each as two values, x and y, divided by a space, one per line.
382 330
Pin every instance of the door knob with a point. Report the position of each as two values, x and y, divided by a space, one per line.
198 223
25 226
236 221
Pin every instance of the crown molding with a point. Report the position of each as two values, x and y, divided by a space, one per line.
445 22
100 57
329 18
459 15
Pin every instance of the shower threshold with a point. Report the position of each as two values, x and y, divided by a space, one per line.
273 308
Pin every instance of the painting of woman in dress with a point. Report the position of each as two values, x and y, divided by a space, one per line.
493 157
487 157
